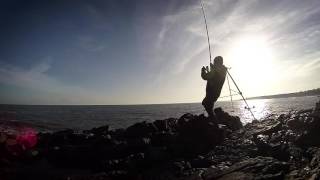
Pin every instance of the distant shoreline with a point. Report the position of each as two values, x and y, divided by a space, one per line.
313 92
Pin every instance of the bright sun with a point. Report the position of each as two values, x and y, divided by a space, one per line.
251 57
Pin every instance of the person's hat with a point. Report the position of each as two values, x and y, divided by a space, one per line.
218 60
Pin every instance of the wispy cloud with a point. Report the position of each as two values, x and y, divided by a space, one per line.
52 91
287 27
90 43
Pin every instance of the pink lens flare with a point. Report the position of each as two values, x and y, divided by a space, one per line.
27 138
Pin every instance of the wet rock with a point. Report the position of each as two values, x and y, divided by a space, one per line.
138 145
66 137
72 156
308 138
119 174
179 166
265 127
103 130
295 124
201 162
118 134
184 119
198 135
156 154
139 130
315 159
253 168
163 139
135 161
232 122
280 151
98 176
161 125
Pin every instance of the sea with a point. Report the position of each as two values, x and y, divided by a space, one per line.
81 117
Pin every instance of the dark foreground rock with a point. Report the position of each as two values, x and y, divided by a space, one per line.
191 147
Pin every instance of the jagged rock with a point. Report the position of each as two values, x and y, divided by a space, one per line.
180 166
156 154
163 139
166 125
184 119
295 124
198 134
161 125
201 162
98 176
138 145
139 130
265 127
103 130
232 122
253 168
66 137
308 138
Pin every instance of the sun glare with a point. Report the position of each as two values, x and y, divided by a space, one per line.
251 57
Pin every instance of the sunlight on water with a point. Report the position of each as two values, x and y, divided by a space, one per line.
259 109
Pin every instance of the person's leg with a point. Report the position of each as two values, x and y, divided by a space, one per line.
214 115
208 106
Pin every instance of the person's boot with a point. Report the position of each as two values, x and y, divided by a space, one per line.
211 114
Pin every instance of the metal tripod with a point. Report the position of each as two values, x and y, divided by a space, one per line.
238 92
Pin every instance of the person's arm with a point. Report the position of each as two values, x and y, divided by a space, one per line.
211 66
204 74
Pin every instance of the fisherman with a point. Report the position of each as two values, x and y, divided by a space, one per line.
215 78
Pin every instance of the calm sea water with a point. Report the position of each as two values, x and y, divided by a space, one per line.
120 116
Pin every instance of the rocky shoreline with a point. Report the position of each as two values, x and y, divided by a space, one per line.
191 147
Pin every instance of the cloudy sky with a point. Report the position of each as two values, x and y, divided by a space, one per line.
140 52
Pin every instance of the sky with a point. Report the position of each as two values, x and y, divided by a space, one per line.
150 52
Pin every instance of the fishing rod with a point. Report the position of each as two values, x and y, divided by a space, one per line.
205 22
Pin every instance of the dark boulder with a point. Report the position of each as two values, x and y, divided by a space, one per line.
163 139
103 130
198 134
295 124
156 154
201 162
161 125
138 144
232 122
166 124
311 129
139 130
308 138
80 156
184 119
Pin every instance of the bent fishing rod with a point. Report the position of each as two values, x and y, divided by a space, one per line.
205 22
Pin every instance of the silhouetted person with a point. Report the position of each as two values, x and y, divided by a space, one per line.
215 78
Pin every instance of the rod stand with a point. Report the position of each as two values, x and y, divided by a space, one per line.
240 93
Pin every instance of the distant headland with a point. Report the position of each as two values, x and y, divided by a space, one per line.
312 92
